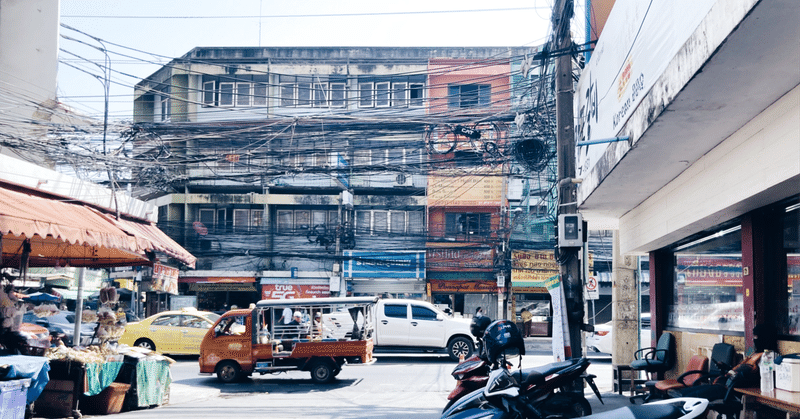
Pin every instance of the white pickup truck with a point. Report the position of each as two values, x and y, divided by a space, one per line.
408 325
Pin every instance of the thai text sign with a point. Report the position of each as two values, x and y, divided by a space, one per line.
460 260
710 271
484 189
531 268
474 287
363 264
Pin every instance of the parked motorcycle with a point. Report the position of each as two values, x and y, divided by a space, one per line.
543 391
472 373
504 397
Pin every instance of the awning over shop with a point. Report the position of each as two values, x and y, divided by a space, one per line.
51 230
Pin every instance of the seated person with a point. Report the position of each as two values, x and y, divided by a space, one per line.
295 328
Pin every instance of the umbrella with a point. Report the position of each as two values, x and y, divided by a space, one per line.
42 297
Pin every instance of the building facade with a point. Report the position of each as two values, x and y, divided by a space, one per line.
701 170
336 171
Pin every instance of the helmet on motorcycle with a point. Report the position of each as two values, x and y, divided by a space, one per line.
502 338
478 325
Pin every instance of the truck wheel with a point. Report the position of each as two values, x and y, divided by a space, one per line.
322 372
228 371
459 347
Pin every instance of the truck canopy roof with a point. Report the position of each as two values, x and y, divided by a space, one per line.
310 302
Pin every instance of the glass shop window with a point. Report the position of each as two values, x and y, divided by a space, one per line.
707 288
789 315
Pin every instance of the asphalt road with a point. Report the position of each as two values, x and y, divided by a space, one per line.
396 386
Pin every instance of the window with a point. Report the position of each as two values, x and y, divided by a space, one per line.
398 311
362 157
707 288
207 217
333 218
319 218
241 217
287 94
363 222
416 222
415 94
167 320
468 96
365 95
198 322
243 94
399 95
164 108
302 220
257 218
226 94
260 95
303 94
209 93
789 315
380 222
398 221
337 95
468 223
285 221
422 313
320 95
382 94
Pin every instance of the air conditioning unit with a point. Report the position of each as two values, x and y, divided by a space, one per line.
403 179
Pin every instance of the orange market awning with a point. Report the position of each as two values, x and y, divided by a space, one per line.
59 231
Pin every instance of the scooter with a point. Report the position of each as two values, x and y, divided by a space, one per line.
541 391
504 397
471 374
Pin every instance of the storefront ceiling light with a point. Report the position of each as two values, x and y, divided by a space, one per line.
792 207
709 237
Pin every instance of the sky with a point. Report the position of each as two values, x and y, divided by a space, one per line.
142 35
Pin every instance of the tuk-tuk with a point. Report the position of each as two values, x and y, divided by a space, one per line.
264 340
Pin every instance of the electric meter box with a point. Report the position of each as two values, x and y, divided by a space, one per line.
570 230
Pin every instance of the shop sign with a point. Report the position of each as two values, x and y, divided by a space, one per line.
701 271
461 260
165 279
218 279
484 189
404 265
289 291
220 286
463 287
531 268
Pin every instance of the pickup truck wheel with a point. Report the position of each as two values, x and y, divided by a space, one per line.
322 372
459 347
228 372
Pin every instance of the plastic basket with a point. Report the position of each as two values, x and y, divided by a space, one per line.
13 395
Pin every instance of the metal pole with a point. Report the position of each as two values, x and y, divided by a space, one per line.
76 337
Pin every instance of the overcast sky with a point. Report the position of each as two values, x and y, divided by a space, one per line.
151 32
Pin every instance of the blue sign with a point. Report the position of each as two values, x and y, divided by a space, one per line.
364 264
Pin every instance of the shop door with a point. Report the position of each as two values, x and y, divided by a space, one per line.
425 327
394 324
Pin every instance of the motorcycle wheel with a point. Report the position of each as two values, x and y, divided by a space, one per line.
578 408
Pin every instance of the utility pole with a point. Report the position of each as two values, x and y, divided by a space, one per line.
569 263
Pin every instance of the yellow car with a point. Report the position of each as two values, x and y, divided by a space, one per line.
170 332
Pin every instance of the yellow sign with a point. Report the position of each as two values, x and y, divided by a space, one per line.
484 188
533 266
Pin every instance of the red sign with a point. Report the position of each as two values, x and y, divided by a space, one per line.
289 291
473 287
200 228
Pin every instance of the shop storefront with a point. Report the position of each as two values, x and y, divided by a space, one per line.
219 294
464 277
530 269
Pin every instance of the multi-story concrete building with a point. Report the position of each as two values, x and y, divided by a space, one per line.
308 171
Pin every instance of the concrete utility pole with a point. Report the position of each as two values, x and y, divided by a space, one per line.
569 264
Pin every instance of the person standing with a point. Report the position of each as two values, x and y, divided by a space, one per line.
527 320
479 312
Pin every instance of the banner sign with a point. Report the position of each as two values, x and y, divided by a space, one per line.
461 260
289 291
638 42
703 271
531 268
165 279
364 264
217 279
465 287
483 189
561 345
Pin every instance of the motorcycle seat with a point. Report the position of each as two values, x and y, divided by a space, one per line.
552 368
664 411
